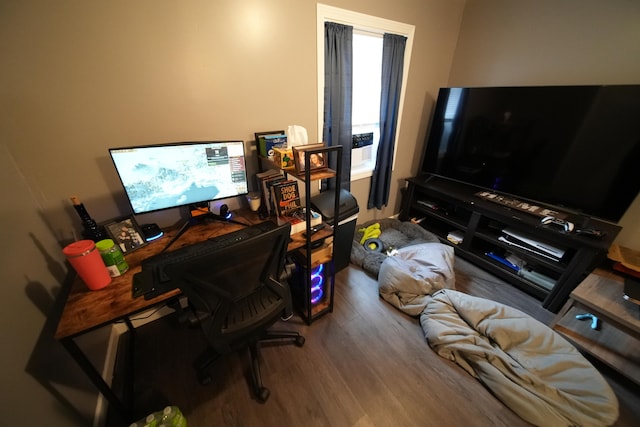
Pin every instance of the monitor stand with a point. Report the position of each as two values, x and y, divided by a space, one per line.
194 220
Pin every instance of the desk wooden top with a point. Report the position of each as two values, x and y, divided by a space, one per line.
86 309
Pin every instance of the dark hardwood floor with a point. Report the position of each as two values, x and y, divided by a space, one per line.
365 364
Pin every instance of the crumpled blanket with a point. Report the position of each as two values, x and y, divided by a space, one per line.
528 366
525 364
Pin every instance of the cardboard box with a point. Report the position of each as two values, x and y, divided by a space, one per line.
283 158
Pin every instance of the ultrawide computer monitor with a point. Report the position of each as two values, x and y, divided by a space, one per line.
164 176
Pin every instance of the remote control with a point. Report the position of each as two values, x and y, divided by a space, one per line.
550 220
590 232
314 229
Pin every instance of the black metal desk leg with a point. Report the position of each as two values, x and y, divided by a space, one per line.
124 410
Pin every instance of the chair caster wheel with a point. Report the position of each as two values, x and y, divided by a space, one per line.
300 341
263 394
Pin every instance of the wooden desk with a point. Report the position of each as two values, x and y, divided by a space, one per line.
87 310
617 342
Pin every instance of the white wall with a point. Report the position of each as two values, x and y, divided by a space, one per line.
554 42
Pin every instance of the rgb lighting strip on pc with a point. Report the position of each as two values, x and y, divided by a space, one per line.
317 284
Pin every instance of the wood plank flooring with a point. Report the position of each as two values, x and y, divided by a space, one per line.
365 364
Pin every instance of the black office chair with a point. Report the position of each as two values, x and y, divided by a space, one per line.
235 295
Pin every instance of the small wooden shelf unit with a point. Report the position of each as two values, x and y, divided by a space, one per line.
616 342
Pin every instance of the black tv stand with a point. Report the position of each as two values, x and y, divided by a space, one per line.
194 220
474 227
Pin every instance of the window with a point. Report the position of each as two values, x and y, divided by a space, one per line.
367 69
367 56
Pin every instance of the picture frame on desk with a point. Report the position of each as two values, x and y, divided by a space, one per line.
318 161
126 233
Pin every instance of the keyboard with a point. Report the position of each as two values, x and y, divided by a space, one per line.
153 281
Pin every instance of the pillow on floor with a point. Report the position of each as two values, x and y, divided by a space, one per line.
407 279
395 233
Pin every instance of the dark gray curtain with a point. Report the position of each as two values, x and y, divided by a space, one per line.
392 66
338 89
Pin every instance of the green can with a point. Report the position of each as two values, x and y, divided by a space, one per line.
112 257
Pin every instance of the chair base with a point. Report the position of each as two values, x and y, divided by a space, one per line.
209 357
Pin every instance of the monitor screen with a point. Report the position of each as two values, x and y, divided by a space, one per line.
166 176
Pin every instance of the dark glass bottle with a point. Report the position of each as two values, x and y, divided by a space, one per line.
90 229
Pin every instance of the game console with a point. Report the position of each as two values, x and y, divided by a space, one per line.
553 221
530 243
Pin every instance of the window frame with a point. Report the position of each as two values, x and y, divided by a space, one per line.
367 23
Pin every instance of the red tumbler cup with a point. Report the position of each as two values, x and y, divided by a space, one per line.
86 260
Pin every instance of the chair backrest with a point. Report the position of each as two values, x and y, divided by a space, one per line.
236 291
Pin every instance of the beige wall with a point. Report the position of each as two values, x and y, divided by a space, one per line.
79 77
529 42
86 76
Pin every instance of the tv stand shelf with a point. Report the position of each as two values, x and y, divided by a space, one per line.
444 206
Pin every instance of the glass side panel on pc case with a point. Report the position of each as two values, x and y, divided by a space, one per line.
166 176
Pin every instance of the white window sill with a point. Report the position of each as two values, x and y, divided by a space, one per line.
361 172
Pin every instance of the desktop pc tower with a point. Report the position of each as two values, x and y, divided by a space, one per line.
312 284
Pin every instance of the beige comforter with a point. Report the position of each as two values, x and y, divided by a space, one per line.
525 364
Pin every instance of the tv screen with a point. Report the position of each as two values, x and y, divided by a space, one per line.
166 176
573 147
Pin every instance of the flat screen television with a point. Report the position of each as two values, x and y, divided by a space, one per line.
576 148
164 176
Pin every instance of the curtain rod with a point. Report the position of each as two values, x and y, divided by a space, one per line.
359 29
